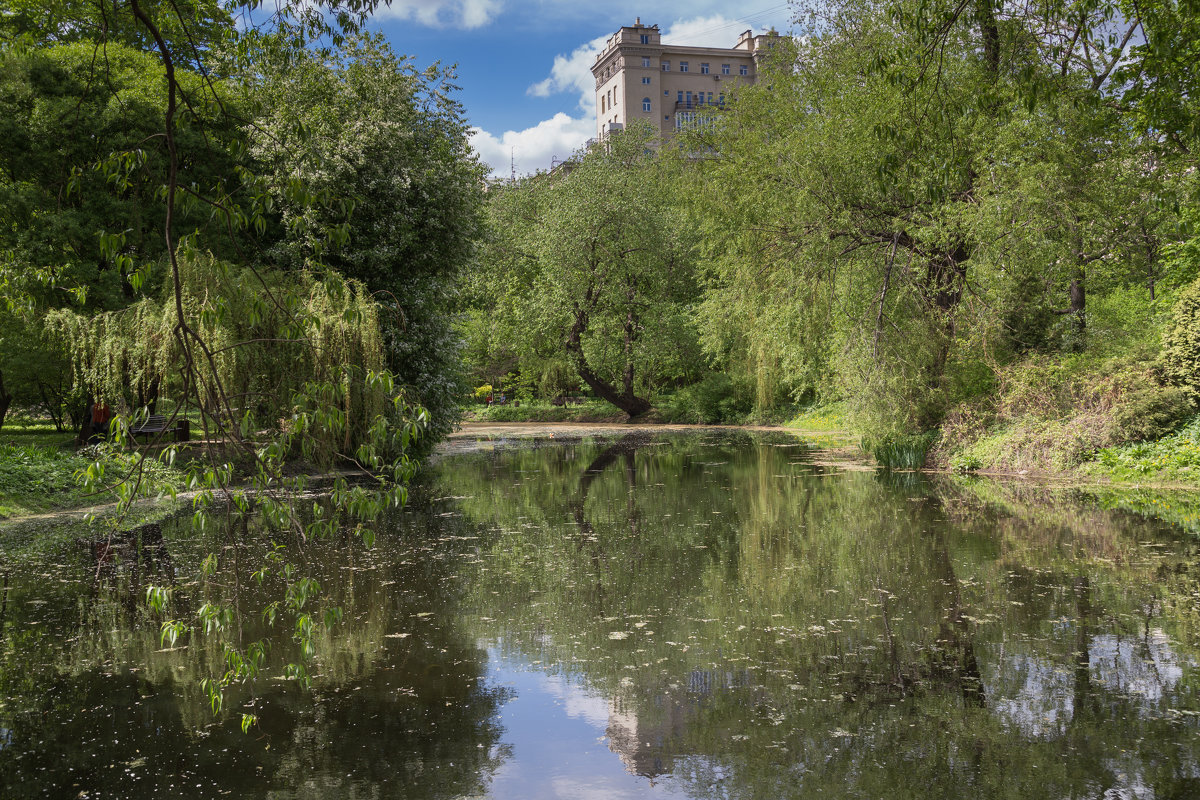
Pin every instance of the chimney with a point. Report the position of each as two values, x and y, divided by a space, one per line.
637 23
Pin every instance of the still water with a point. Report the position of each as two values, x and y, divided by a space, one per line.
709 615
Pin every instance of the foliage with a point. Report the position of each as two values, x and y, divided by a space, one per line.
542 411
82 163
1053 413
32 474
1181 342
363 142
263 348
37 478
916 195
1154 412
175 257
716 399
820 418
902 452
1173 457
591 266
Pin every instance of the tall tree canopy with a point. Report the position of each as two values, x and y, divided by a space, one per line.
594 265
933 187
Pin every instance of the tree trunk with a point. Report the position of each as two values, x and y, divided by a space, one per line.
985 13
1079 303
5 400
625 400
945 278
53 408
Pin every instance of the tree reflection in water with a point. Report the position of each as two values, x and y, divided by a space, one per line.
737 620
764 627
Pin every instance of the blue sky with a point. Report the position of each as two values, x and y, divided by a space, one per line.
524 65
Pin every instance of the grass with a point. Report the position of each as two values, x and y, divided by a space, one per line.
35 479
39 472
24 431
1172 458
821 419
536 411
902 452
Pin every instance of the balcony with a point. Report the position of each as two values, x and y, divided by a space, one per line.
695 105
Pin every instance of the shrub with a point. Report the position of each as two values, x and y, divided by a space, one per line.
716 399
1153 413
1181 343
1176 456
902 451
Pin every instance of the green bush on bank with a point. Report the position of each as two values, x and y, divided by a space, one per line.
1054 413
1181 340
901 451
540 411
718 399
1173 457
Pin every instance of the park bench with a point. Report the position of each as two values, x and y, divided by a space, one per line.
157 423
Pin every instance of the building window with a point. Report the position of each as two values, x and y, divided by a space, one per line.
724 69
645 38
646 80
667 92
666 65
679 99
690 120
743 70
710 102
602 106
703 68
683 66
645 61
645 104
721 99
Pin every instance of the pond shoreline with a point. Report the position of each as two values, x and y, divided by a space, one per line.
838 449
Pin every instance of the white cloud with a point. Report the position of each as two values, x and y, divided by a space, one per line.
534 148
573 73
442 13
715 31
563 134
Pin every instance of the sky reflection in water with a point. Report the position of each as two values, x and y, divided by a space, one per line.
701 616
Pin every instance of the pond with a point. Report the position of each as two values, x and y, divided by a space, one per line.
700 615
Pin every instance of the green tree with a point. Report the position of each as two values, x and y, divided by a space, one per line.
81 163
920 190
211 316
384 147
595 265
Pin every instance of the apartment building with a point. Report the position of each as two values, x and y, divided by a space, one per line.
673 87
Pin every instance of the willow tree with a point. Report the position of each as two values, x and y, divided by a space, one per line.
908 188
595 266
365 125
269 358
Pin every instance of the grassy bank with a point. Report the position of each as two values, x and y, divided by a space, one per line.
36 479
538 411
40 471
1111 419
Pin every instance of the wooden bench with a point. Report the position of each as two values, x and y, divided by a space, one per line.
157 423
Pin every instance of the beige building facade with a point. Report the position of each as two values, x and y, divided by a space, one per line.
673 87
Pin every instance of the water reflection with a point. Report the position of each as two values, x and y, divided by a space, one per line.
688 616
